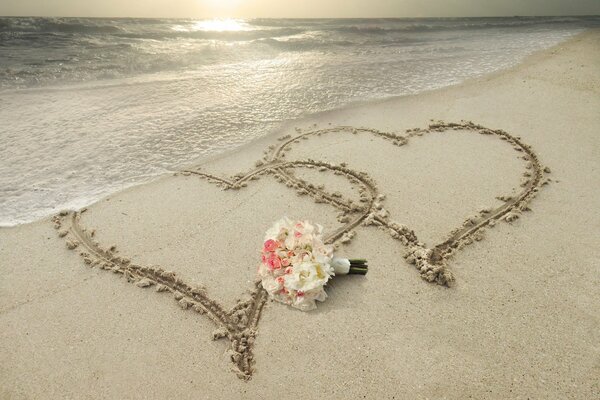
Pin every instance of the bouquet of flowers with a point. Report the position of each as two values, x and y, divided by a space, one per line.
296 264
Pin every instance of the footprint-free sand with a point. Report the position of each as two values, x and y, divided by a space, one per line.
476 206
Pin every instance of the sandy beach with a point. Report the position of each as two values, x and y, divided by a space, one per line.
476 206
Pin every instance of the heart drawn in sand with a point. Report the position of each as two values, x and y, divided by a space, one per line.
239 324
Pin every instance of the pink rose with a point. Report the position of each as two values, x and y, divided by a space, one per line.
270 245
274 262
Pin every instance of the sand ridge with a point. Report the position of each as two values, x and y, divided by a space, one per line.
239 324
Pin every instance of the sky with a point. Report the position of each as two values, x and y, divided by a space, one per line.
296 8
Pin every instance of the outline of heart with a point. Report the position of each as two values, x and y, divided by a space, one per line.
239 324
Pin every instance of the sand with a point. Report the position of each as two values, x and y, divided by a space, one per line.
475 205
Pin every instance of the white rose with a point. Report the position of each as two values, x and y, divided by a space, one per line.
308 276
322 249
283 225
290 241
271 285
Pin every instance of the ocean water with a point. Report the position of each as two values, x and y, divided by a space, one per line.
91 106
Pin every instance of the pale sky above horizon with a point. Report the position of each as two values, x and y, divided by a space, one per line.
296 8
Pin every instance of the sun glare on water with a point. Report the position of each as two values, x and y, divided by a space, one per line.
220 25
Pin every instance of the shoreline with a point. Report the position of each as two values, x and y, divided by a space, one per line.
309 118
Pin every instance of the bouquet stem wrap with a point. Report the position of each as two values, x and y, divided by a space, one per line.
345 266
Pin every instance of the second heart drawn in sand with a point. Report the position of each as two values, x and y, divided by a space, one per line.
239 324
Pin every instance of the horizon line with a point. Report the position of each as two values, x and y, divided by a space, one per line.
348 18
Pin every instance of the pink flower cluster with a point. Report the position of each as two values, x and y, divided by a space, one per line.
274 257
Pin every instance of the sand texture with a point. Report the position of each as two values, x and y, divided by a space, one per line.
476 206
